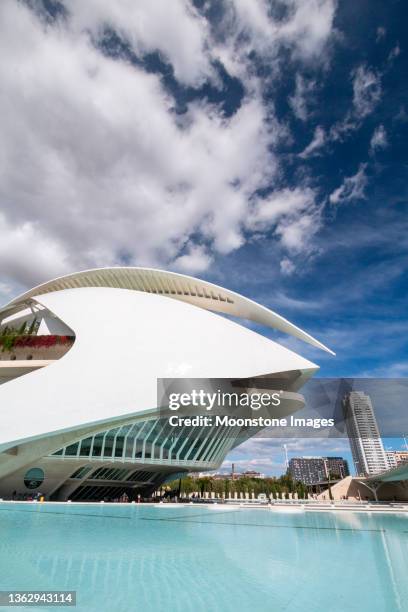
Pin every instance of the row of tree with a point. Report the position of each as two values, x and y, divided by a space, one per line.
207 484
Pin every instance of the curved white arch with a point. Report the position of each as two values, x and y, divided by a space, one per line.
173 285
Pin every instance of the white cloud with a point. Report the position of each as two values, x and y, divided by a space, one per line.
394 53
101 170
352 188
175 29
381 33
249 26
366 91
25 247
299 100
287 266
317 142
309 26
378 139
297 234
294 213
295 304
196 259
190 44
306 27
341 129
278 204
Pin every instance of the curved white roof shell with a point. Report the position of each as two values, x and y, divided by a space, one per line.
125 341
173 285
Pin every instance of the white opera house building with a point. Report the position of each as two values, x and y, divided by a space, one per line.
80 357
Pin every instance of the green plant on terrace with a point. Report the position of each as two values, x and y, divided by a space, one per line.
9 335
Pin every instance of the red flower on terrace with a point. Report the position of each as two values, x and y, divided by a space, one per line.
42 341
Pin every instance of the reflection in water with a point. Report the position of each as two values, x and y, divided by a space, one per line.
191 558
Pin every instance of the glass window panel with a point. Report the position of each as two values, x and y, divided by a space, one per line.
103 472
85 447
81 472
129 447
97 446
119 446
109 440
71 450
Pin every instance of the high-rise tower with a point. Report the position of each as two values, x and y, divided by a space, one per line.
366 445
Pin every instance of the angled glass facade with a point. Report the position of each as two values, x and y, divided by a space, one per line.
155 441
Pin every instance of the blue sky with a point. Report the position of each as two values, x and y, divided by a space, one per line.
258 144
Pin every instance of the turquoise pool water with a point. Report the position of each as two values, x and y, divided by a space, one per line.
130 557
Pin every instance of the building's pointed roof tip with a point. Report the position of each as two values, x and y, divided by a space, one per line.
174 285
